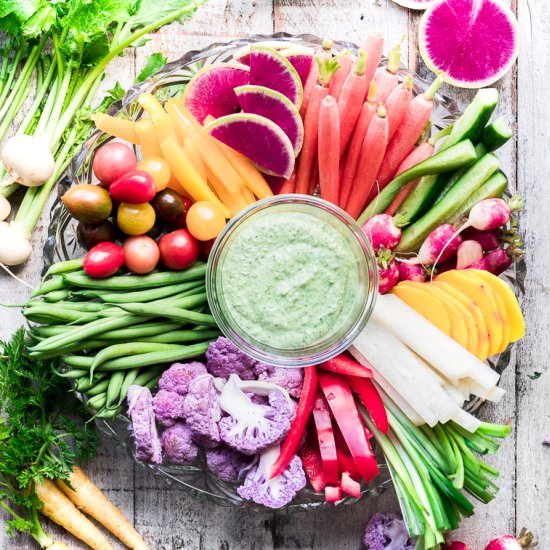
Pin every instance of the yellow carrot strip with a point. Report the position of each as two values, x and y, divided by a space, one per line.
206 145
62 511
89 499
164 127
148 138
187 175
117 127
233 202
251 175
150 103
248 196
195 156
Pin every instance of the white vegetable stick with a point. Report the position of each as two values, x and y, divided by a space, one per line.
467 421
454 393
495 394
439 350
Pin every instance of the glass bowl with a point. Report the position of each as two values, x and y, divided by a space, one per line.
62 244
318 214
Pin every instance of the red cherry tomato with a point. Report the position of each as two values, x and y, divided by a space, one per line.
103 260
136 187
112 161
141 254
205 249
178 249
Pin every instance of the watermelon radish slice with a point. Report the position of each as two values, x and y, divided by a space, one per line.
301 59
210 91
415 4
270 69
257 138
275 106
243 55
474 42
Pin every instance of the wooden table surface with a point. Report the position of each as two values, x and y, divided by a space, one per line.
165 515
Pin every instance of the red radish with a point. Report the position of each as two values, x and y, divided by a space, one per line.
381 231
388 271
345 60
112 160
397 103
489 240
447 265
387 77
418 154
440 245
370 159
351 99
289 185
333 494
141 254
355 144
328 157
103 260
178 249
412 272
309 86
456 546
308 155
409 130
468 253
350 486
135 187
497 261
373 46
509 542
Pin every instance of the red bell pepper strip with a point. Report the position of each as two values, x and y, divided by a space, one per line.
299 424
342 404
325 436
312 462
346 366
371 399
350 486
346 464
333 494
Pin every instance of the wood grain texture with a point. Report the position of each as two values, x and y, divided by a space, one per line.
169 518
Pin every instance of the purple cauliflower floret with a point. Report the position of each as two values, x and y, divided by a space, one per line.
178 377
168 407
290 379
226 463
177 442
224 358
250 427
276 492
202 410
387 532
143 425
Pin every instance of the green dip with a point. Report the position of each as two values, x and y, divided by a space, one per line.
289 279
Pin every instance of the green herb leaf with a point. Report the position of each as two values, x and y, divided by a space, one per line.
114 94
146 12
40 22
535 376
155 62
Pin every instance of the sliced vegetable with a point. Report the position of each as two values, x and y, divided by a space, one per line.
325 436
345 366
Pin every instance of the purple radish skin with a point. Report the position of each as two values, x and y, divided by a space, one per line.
456 546
411 272
509 542
489 240
468 253
497 261
381 231
440 245
388 271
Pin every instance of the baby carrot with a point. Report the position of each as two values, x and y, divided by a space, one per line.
345 59
289 186
372 153
351 99
118 127
328 152
387 76
148 141
373 46
397 104
309 86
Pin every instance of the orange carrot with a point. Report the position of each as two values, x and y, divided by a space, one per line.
118 127
309 86
397 104
409 130
372 153
308 155
327 151
373 46
351 99
345 59
355 144
289 186
387 76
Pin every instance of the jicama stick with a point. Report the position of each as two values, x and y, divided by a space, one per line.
467 421
397 398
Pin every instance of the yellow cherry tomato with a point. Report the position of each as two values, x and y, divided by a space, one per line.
159 170
204 220
135 219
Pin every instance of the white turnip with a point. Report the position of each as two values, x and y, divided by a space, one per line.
15 247
5 208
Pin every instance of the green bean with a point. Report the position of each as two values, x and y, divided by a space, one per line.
84 384
176 313
64 267
71 348
145 376
55 283
97 402
113 390
134 361
152 328
73 373
126 282
152 383
108 413
57 295
40 314
129 378
47 331
98 388
181 336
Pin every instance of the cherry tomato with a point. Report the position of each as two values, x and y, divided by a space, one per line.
205 220
112 160
159 170
178 249
103 260
90 235
169 207
181 222
135 187
141 254
135 219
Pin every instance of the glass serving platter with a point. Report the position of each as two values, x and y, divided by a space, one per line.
62 244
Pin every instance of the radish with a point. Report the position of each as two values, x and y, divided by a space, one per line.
468 253
447 265
508 542
381 231
411 272
388 271
456 546
489 240
440 245
497 261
